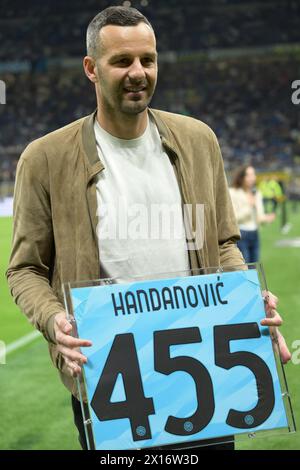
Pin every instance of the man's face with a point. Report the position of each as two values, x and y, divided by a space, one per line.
127 68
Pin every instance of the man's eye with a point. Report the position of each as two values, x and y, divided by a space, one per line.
123 62
148 60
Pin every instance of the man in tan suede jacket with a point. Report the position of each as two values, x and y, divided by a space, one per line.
59 178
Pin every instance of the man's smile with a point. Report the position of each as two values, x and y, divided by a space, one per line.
135 89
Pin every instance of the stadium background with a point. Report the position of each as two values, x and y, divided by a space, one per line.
229 63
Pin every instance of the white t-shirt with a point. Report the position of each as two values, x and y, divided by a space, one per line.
140 224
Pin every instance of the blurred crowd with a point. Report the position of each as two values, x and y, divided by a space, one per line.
246 101
34 30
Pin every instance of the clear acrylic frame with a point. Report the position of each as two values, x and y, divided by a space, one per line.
81 381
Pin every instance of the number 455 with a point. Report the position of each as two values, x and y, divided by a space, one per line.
123 359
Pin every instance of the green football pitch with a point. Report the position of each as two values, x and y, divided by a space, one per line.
35 410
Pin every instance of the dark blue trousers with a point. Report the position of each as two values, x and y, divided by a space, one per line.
249 245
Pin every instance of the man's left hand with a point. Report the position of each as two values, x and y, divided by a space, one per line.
274 320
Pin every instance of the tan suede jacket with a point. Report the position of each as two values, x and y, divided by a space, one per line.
55 206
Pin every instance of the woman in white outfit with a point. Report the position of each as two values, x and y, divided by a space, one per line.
249 211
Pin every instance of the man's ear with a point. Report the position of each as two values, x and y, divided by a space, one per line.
90 68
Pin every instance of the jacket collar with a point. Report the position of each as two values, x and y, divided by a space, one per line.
166 136
89 141
89 146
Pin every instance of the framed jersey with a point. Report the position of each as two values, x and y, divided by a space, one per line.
178 358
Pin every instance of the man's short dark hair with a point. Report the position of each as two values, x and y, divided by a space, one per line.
117 15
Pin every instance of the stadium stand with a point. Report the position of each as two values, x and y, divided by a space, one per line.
233 70
33 30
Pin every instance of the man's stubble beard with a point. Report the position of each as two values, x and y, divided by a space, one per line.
135 107
119 104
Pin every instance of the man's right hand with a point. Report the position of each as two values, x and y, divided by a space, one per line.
69 346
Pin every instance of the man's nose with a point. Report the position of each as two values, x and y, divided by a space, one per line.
136 71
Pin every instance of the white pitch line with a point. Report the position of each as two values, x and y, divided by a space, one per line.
19 343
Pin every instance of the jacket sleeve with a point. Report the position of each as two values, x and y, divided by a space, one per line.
32 257
228 231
